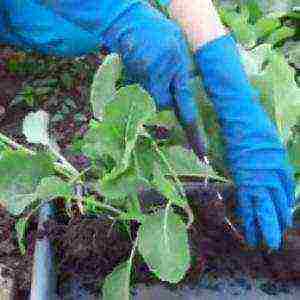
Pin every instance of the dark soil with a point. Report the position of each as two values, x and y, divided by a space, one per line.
17 267
223 252
67 84
88 248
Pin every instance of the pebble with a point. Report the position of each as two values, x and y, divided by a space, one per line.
6 286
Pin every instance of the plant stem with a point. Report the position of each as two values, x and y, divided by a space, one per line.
186 208
79 192
164 159
105 206
14 144
133 250
64 161
166 238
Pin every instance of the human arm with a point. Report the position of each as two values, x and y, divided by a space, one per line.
199 20
58 27
73 28
257 159
153 48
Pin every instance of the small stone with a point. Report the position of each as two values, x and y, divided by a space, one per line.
6 285
2 110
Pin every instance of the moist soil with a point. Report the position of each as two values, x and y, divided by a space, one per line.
89 247
14 265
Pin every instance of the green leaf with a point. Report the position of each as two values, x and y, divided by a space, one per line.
277 82
254 62
277 8
297 192
168 188
255 12
293 147
145 157
67 80
92 141
134 211
214 139
36 128
104 84
123 119
243 31
294 14
163 243
20 175
255 59
53 187
21 228
280 35
117 284
265 26
132 107
58 117
292 53
185 163
164 118
122 186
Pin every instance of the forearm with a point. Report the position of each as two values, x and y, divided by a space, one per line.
199 20
217 58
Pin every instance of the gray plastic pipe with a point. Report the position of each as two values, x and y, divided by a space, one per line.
44 277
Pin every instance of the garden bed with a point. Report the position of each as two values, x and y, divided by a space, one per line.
88 248
91 240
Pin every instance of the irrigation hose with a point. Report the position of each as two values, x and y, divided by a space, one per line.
44 277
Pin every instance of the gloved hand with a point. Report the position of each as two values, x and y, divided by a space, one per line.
153 48
257 159
156 55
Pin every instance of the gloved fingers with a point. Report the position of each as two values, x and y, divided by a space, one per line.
253 154
284 212
268 217
286 177
159 83
154 72
185 102
183 85
184 93
256 178
281 177
161 95
247 213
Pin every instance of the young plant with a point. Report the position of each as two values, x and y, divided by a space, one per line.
131 160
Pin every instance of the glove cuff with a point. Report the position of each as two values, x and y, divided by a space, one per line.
245 124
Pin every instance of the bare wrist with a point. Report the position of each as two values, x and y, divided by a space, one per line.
199 20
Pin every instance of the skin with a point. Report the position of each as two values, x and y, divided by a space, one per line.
200 21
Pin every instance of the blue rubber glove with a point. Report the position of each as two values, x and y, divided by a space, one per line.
152 47
29 25
58 27
156 55
257 158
